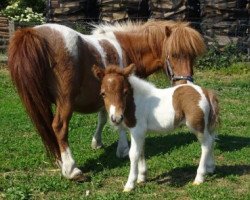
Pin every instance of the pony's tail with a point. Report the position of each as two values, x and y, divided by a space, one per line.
214 118
29 62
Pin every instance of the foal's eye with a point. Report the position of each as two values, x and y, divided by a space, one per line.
102 94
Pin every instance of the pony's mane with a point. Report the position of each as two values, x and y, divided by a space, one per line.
184 40
117 26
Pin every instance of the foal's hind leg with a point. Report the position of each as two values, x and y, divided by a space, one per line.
60 126
97 138
210 165
206 141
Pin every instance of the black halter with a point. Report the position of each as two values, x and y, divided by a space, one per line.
169 71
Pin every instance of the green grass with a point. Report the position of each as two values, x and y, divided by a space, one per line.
172 159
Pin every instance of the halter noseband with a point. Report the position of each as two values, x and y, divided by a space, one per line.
169 71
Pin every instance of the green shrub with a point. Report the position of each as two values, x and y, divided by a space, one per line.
20 14
218 57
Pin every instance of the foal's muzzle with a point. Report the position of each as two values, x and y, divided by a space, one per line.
116 119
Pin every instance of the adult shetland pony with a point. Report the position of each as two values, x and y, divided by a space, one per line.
51 64
139 106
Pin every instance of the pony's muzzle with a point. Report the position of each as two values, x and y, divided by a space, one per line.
116 119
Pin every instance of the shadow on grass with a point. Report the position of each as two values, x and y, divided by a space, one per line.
232 143
162 145
179 177
153 146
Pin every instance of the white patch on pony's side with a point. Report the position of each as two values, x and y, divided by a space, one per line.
94 41
70 36
111 38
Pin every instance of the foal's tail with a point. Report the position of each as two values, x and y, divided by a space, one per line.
29 62
214 113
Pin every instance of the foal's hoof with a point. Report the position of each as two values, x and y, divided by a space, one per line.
127 189
141 181
196 183
96 145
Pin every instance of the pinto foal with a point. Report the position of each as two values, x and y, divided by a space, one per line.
139 106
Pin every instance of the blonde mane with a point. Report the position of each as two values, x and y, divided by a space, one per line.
183 39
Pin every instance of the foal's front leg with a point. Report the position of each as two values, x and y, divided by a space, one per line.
135 153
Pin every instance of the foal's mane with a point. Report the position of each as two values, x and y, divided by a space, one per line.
140 85
114 69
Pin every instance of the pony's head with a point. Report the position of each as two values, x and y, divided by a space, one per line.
114 89
181 46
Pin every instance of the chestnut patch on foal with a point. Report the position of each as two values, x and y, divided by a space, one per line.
186 105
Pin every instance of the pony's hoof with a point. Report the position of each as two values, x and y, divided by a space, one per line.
78 176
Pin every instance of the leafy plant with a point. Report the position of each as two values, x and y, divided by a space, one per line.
218 57
18 13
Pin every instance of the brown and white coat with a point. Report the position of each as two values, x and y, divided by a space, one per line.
139 106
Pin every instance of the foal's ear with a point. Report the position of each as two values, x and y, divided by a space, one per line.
129 69
98 72
167 31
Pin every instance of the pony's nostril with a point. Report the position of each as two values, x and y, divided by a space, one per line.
121 117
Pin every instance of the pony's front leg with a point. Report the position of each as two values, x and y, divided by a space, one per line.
123 147
60 126
97 138
135 153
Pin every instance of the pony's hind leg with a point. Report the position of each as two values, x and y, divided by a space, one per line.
123 147
206 140
97 137
60 126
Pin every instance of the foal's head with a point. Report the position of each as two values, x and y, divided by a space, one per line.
114 89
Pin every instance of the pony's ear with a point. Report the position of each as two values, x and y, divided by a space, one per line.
167 31
129 69
98 72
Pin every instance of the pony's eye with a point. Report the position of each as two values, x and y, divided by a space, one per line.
125 92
